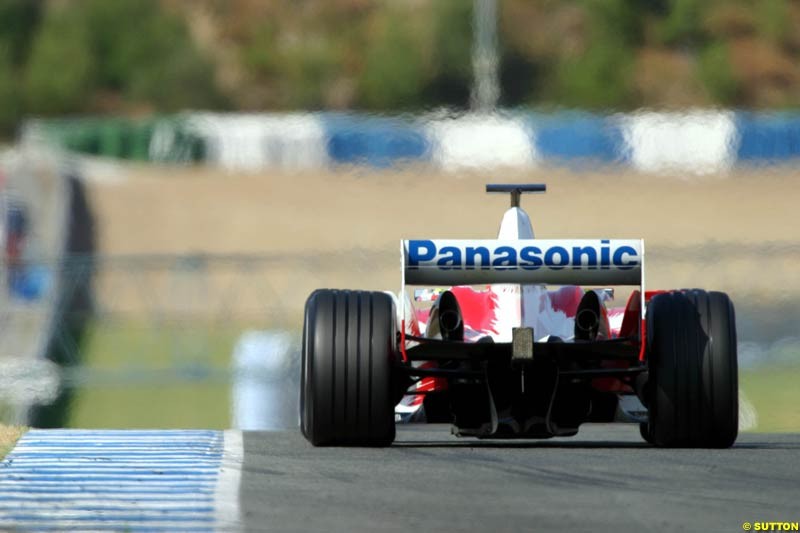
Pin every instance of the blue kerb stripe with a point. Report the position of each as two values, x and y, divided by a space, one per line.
140 469
130 432
99 463
156 460
111 526
106 453
202 492
129 517
55 497
131 471
131 443
143 479
107 508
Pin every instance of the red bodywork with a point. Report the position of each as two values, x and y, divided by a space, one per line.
478 312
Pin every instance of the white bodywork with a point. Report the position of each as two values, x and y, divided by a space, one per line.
526 303
524 300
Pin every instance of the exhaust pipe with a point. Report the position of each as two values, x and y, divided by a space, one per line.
445 318
451 323
587 321
591 320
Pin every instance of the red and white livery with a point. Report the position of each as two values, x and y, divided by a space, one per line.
516 337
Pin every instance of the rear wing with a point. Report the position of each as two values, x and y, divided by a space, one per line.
530 261
526 262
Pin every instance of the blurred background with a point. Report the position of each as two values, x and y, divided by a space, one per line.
177 176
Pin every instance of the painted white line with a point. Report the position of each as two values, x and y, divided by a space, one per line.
226 496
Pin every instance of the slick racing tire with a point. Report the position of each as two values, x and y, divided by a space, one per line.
693 397
644 431
347 387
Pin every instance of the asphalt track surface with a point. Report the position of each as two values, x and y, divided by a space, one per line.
603 479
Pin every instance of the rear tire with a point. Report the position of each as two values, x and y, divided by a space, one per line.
347 386
693 398
644 431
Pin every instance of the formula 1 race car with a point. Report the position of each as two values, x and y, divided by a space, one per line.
522 344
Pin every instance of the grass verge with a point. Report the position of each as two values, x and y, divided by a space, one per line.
174 375
178 406
9 435
170 375
775 395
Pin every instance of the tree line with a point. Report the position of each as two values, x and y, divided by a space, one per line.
138 57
